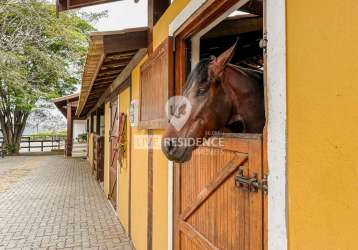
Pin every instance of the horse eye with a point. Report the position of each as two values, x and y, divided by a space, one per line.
201 91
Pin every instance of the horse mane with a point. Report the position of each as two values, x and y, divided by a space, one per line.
256 74
200 73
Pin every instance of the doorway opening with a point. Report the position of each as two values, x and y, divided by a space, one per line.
223 189
242 27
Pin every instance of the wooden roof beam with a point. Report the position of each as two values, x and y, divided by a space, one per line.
234 26
62 102
63 5
120 79
120 56
109 78
156 9
111 44
105 70
104 82
125 41
253 7
115 64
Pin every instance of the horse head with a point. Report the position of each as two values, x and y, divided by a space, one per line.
206 106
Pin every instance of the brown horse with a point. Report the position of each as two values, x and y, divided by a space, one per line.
223 97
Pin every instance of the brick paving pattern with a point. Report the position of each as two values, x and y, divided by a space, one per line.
55 203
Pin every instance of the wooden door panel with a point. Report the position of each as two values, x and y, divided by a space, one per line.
223 216
94 153
211 212
113 187
100 170
113 153
156 86
98 157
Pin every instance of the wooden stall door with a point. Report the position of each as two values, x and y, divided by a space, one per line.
95 155
98 157
114 134
211 211
100 168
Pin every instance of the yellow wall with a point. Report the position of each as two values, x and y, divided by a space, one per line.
322 85
123 172
160 163
106 148
139 182
160 199
161 28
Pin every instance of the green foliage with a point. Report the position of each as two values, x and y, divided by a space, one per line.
11 148
44 134
82 137
41 57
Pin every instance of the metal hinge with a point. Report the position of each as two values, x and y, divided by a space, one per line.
263 42
251 184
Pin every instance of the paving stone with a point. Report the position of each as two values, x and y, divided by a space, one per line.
52 202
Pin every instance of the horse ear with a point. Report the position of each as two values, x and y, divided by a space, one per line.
225 57
218 64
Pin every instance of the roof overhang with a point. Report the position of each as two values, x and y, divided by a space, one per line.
63 5
108 58
62 102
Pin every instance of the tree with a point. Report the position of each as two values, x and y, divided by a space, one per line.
54 123
37 118
41 57
45 119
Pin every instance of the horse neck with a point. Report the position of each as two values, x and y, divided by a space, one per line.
237 80
244 89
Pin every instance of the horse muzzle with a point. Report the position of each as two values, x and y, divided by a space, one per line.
176 152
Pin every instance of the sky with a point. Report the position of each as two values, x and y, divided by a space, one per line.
121 15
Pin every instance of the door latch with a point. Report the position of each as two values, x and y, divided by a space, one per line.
251 184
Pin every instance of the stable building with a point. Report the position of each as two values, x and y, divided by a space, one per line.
67 105
209 202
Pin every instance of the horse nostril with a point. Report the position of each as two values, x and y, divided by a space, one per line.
169 145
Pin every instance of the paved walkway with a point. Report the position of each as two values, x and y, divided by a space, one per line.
48 202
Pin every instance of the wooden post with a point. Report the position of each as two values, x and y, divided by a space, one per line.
98 122
69 130
156 9
28 140
91 123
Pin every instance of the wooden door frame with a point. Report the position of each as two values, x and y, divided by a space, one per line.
194 17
